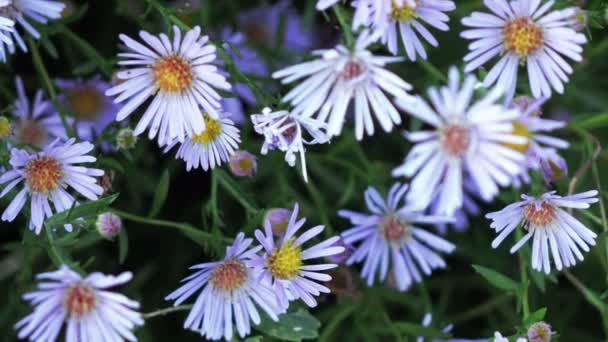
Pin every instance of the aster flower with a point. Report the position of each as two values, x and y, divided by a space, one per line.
524 33
38 124
87 101
467 138
283 264
286 132
554 230
406 18
339 77
229 290
278 220
553 167
540 332
46 176
179 78
243 164
212 147
89 310
388 236
108 225
21 11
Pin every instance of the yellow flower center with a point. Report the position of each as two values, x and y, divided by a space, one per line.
519 130
79 300
229 276
522 36
285 262
42 174
86 102
213 129
540 216
404 12
5 127
173 74
31 132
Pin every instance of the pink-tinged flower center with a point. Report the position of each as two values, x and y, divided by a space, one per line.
522 36
539 215
173 74
229 276
31 132
352 70
79 300
455 139
43 174
393 228
86 102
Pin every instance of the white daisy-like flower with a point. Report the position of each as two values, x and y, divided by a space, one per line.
85 305
325 4
46 175
212 147
554 230
287 132
499 338
20 11
284 266
389 236
340 77
38 123
468 138
524 33
178 76
231 293
406 18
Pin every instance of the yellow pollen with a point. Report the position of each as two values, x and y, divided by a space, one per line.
285 262
79 300
229 276
522 36
173 74
213 129
519 130
86 102
43 174
5 127
404 13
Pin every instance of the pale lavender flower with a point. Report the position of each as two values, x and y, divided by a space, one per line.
278 219
229 290
284 262
554 230
540 332
243 164
46 176
289 133
108 225
85 305
524 32
388 237
552 166
405 18
322 5
499 338
37 123
177 75
339 77
21 12
467 138
212 147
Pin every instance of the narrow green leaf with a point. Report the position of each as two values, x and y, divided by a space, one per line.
123 246
84 210
536 316
293 326
497 279
160 195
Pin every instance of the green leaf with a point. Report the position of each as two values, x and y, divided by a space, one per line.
415 329
293 326
534 317
123 246
497 279
254 339
160 195
84 210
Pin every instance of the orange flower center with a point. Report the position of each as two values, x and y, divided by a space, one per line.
393 228
79 300
522 36
42 174
86 102
173 74
540 216
455 139
229 276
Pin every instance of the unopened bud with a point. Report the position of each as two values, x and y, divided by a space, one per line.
278 219
243 164
540 332
125 139
109 225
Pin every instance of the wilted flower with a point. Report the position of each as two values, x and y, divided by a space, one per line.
85 305
109 225
179 77
243 164
524 33
554 230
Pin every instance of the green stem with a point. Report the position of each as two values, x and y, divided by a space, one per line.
167 15
433 70
87 49
335 322
523 271
224 183
480 309
166 311
348 34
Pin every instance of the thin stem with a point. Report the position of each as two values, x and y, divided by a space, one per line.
480 309
87 49
166 311
167 15
590 296
523 273
433 70
348 34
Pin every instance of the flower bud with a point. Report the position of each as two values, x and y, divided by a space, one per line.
579 19
342 257
278 219
553 167
109 225
243 164
125 139
540 332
